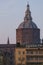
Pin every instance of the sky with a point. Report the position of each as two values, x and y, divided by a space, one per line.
12 13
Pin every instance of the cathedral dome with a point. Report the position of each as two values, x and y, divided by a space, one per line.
28 23
28 32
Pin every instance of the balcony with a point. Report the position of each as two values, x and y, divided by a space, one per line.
34 54
34 58
33 61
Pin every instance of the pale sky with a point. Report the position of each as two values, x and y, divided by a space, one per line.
12 13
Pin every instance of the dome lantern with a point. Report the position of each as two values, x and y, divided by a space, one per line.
28 23
27 14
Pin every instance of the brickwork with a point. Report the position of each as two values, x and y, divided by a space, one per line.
27 35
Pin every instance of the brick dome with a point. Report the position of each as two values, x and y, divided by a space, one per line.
28 32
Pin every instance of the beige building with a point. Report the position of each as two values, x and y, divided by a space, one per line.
29 55
20 56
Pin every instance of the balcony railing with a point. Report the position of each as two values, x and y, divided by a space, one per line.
34 61
34 54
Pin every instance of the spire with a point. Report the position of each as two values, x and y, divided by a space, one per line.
8 41
28 13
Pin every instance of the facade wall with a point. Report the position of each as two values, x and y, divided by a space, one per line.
31 56
20 56
28 36
34 55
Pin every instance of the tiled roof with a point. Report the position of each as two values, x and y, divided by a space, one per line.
7 45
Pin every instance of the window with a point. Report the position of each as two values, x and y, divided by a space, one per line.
19 64
19 52
29 52
35 52
40 52
23 59
29 58
19 59
23 52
